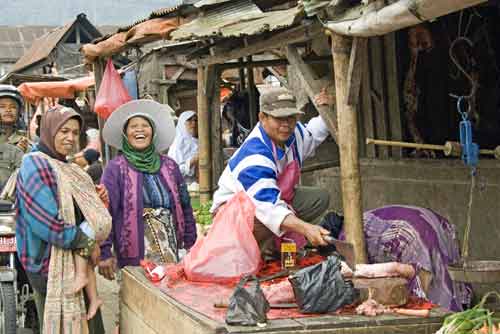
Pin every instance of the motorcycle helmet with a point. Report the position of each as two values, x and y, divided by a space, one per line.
13 93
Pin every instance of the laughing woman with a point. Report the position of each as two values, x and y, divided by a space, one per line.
149 201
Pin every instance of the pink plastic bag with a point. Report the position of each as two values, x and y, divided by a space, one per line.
229 250
112 92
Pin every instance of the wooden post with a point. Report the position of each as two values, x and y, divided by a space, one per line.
216 129
349 142
99 65
313 87
241 72
252 106
205 159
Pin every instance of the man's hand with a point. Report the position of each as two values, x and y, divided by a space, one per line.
324 99
315 234
107 268
103 194
23 144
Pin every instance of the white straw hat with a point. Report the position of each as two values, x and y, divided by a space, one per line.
158 114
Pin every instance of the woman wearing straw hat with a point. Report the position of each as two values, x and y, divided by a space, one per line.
149 201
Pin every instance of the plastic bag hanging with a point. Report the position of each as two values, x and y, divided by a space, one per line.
112 92
229 251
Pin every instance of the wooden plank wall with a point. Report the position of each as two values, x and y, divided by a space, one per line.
380 110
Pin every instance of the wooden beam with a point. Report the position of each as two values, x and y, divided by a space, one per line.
367 109
378 93
216 130
355 73
205 156
209 81
348 148
99 65
241 73
312 87
253 64
163 82
252 103
270 63
277 40
393 92
278 76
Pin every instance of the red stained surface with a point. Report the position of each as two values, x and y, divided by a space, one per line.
201 297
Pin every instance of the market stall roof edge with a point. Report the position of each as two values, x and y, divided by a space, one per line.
243 18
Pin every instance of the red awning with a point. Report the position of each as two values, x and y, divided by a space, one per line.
35 91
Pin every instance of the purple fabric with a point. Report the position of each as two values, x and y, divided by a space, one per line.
167 171
422 238
124 186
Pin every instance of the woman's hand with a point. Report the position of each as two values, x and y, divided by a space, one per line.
103 194
94 256
23 144
107 268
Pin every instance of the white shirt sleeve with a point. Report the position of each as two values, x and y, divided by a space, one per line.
315 132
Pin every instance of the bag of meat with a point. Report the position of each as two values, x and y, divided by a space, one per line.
229 250
321 288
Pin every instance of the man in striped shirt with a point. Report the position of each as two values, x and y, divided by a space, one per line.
271 155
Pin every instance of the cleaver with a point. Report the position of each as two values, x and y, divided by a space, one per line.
344 248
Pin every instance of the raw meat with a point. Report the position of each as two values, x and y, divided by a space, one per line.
388 269
370 308
279 293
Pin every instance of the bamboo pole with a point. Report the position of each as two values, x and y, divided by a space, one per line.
205 161
450 148
348 147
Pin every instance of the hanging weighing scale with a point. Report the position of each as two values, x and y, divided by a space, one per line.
471 271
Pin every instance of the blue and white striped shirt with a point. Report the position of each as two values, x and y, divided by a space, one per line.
254 170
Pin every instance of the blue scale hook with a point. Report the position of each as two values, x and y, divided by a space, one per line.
470 150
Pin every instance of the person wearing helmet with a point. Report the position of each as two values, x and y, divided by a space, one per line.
11 125
13 140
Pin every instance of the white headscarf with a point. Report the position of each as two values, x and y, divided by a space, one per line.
185 146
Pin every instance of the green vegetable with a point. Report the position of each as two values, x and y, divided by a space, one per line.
470 320
203 215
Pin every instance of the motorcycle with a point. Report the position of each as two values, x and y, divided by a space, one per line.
17 305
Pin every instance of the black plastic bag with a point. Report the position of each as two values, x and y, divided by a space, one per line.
321 288
248 305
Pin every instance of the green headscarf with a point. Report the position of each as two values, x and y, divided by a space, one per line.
147 161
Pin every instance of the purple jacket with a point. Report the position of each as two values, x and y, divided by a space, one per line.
124 185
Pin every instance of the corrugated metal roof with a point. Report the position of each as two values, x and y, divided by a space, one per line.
174 6
241 18
15 41
203 3
16 79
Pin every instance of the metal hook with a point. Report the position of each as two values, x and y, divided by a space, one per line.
460 101
457 64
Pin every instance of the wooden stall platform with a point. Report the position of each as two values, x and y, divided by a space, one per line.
146 309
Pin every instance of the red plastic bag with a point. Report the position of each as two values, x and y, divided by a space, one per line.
229 251
153 272
112 92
